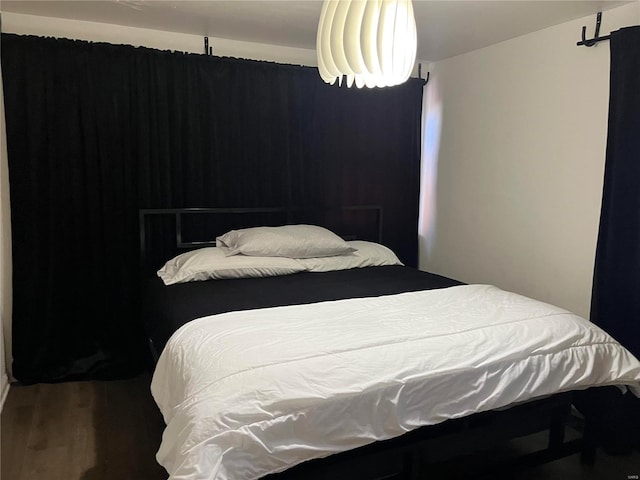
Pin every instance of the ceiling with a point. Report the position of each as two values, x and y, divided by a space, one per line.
445 28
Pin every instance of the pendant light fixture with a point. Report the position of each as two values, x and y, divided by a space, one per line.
370 42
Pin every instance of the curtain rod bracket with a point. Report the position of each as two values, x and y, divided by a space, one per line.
207 49
426 80
596 38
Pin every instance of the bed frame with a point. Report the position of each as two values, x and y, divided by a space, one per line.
426 451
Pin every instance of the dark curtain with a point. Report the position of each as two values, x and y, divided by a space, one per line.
615 304
97 131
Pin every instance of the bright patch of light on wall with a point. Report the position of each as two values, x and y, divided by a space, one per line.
368 42
432 128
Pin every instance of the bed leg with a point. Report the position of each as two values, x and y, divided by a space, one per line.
412 465
588 450
556 428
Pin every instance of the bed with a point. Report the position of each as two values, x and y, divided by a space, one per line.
376 371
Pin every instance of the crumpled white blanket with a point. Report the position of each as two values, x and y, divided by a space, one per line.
254 392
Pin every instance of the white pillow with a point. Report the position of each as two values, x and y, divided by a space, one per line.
212 263
292 241
366 254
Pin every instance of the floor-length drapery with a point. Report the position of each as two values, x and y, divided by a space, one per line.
97 131
616 288
615 304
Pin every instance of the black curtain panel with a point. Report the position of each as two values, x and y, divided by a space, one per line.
615 304
97 131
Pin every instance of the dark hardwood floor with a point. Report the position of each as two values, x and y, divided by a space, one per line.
81 431
111 431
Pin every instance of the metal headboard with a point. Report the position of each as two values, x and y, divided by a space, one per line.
288 215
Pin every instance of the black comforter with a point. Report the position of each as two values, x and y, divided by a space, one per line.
167 308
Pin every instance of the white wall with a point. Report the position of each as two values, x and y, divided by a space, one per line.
514 162
102 32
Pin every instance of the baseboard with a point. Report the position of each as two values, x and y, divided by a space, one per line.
4 393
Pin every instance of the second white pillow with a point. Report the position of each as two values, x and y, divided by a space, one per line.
365 254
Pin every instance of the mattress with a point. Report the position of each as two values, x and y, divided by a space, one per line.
252 392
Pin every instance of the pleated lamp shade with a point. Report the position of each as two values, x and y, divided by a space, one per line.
371 42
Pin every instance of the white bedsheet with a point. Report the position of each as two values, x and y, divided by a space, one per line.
254 392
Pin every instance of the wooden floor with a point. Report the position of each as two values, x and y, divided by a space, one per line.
81 431
111 430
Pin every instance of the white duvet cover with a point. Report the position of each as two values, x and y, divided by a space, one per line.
254 392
